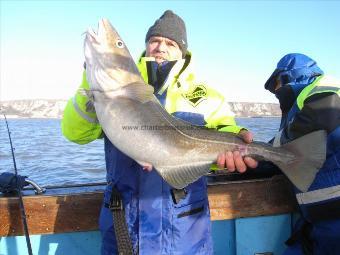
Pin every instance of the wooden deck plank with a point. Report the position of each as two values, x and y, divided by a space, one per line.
250 199
79 212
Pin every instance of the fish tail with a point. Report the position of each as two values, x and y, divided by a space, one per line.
310 151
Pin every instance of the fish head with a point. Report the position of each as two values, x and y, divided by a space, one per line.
109 65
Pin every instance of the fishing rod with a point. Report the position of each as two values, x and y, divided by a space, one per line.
21 202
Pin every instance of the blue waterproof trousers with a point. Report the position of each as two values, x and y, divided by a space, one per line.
156 223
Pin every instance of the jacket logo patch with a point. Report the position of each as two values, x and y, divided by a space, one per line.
197 95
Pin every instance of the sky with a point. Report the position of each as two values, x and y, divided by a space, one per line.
235 44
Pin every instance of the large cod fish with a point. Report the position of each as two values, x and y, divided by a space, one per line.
180 152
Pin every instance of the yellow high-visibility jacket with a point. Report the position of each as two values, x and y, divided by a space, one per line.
185 93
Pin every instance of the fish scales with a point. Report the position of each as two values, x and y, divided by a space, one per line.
137 124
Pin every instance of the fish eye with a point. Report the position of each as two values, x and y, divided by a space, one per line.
119 44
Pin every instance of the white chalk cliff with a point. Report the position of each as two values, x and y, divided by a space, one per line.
43 108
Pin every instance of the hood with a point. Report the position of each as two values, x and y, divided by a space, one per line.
296 70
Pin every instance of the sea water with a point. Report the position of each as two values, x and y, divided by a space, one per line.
45 156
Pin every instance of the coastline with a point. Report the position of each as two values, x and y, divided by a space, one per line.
53 109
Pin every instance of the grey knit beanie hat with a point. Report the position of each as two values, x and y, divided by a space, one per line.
171 26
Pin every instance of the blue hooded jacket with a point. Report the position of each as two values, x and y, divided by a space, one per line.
308 105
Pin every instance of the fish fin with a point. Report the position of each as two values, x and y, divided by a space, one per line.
90 106
90 103
180 176
83 92
311 154
138 91
87 93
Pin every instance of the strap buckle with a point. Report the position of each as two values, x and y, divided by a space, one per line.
178 194
116 203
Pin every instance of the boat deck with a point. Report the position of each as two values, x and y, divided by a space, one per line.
239 209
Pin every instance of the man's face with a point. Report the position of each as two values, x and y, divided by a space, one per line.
162 49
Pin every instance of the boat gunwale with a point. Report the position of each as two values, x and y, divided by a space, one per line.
76 210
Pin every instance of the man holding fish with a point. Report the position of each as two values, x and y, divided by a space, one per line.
160 219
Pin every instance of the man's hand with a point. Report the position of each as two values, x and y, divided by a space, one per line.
233 160
147 167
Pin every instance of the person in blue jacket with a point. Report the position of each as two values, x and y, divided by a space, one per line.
309 101
159 219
